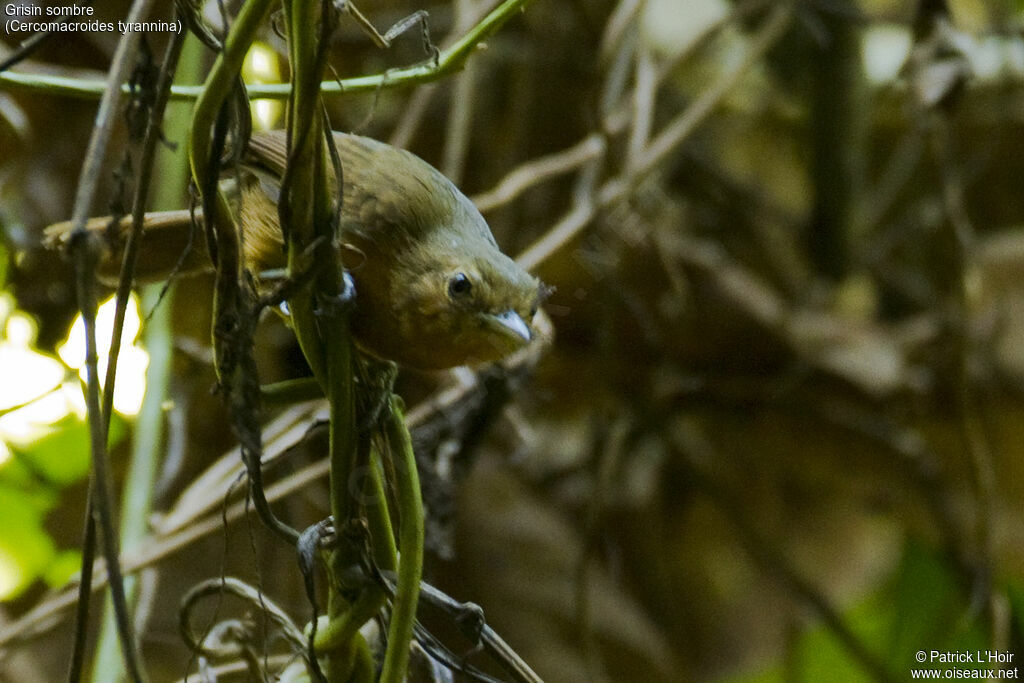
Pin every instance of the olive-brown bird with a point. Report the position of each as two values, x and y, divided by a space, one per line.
433 290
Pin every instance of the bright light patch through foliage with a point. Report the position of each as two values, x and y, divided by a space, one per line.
261 67
131 364
31 395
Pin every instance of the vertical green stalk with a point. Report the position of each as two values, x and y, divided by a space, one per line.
377 518
410 563
219 82
147 437
147 434
305 209
320 318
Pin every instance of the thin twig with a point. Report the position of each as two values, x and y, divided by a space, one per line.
540 170
141 484
545 168
469 619
460 114
186 526
673 135
232 586
139 202
414 111
450 61
644 95
85 250
676 132
417 106
622 20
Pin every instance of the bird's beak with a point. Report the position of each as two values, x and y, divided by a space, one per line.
513 324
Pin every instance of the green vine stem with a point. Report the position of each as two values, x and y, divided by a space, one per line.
305 206
335 635
378 521
211 95
320 314
148 432
410 562
450 60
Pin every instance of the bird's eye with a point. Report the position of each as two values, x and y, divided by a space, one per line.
459 285
533 310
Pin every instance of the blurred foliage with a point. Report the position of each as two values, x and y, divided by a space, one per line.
31 484
34 470
778 434
921 604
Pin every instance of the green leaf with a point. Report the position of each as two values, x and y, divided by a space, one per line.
927 603
821 656
64 565
26 550
15 493
930 609
61 456
922 607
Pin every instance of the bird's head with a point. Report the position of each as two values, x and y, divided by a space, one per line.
467 304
